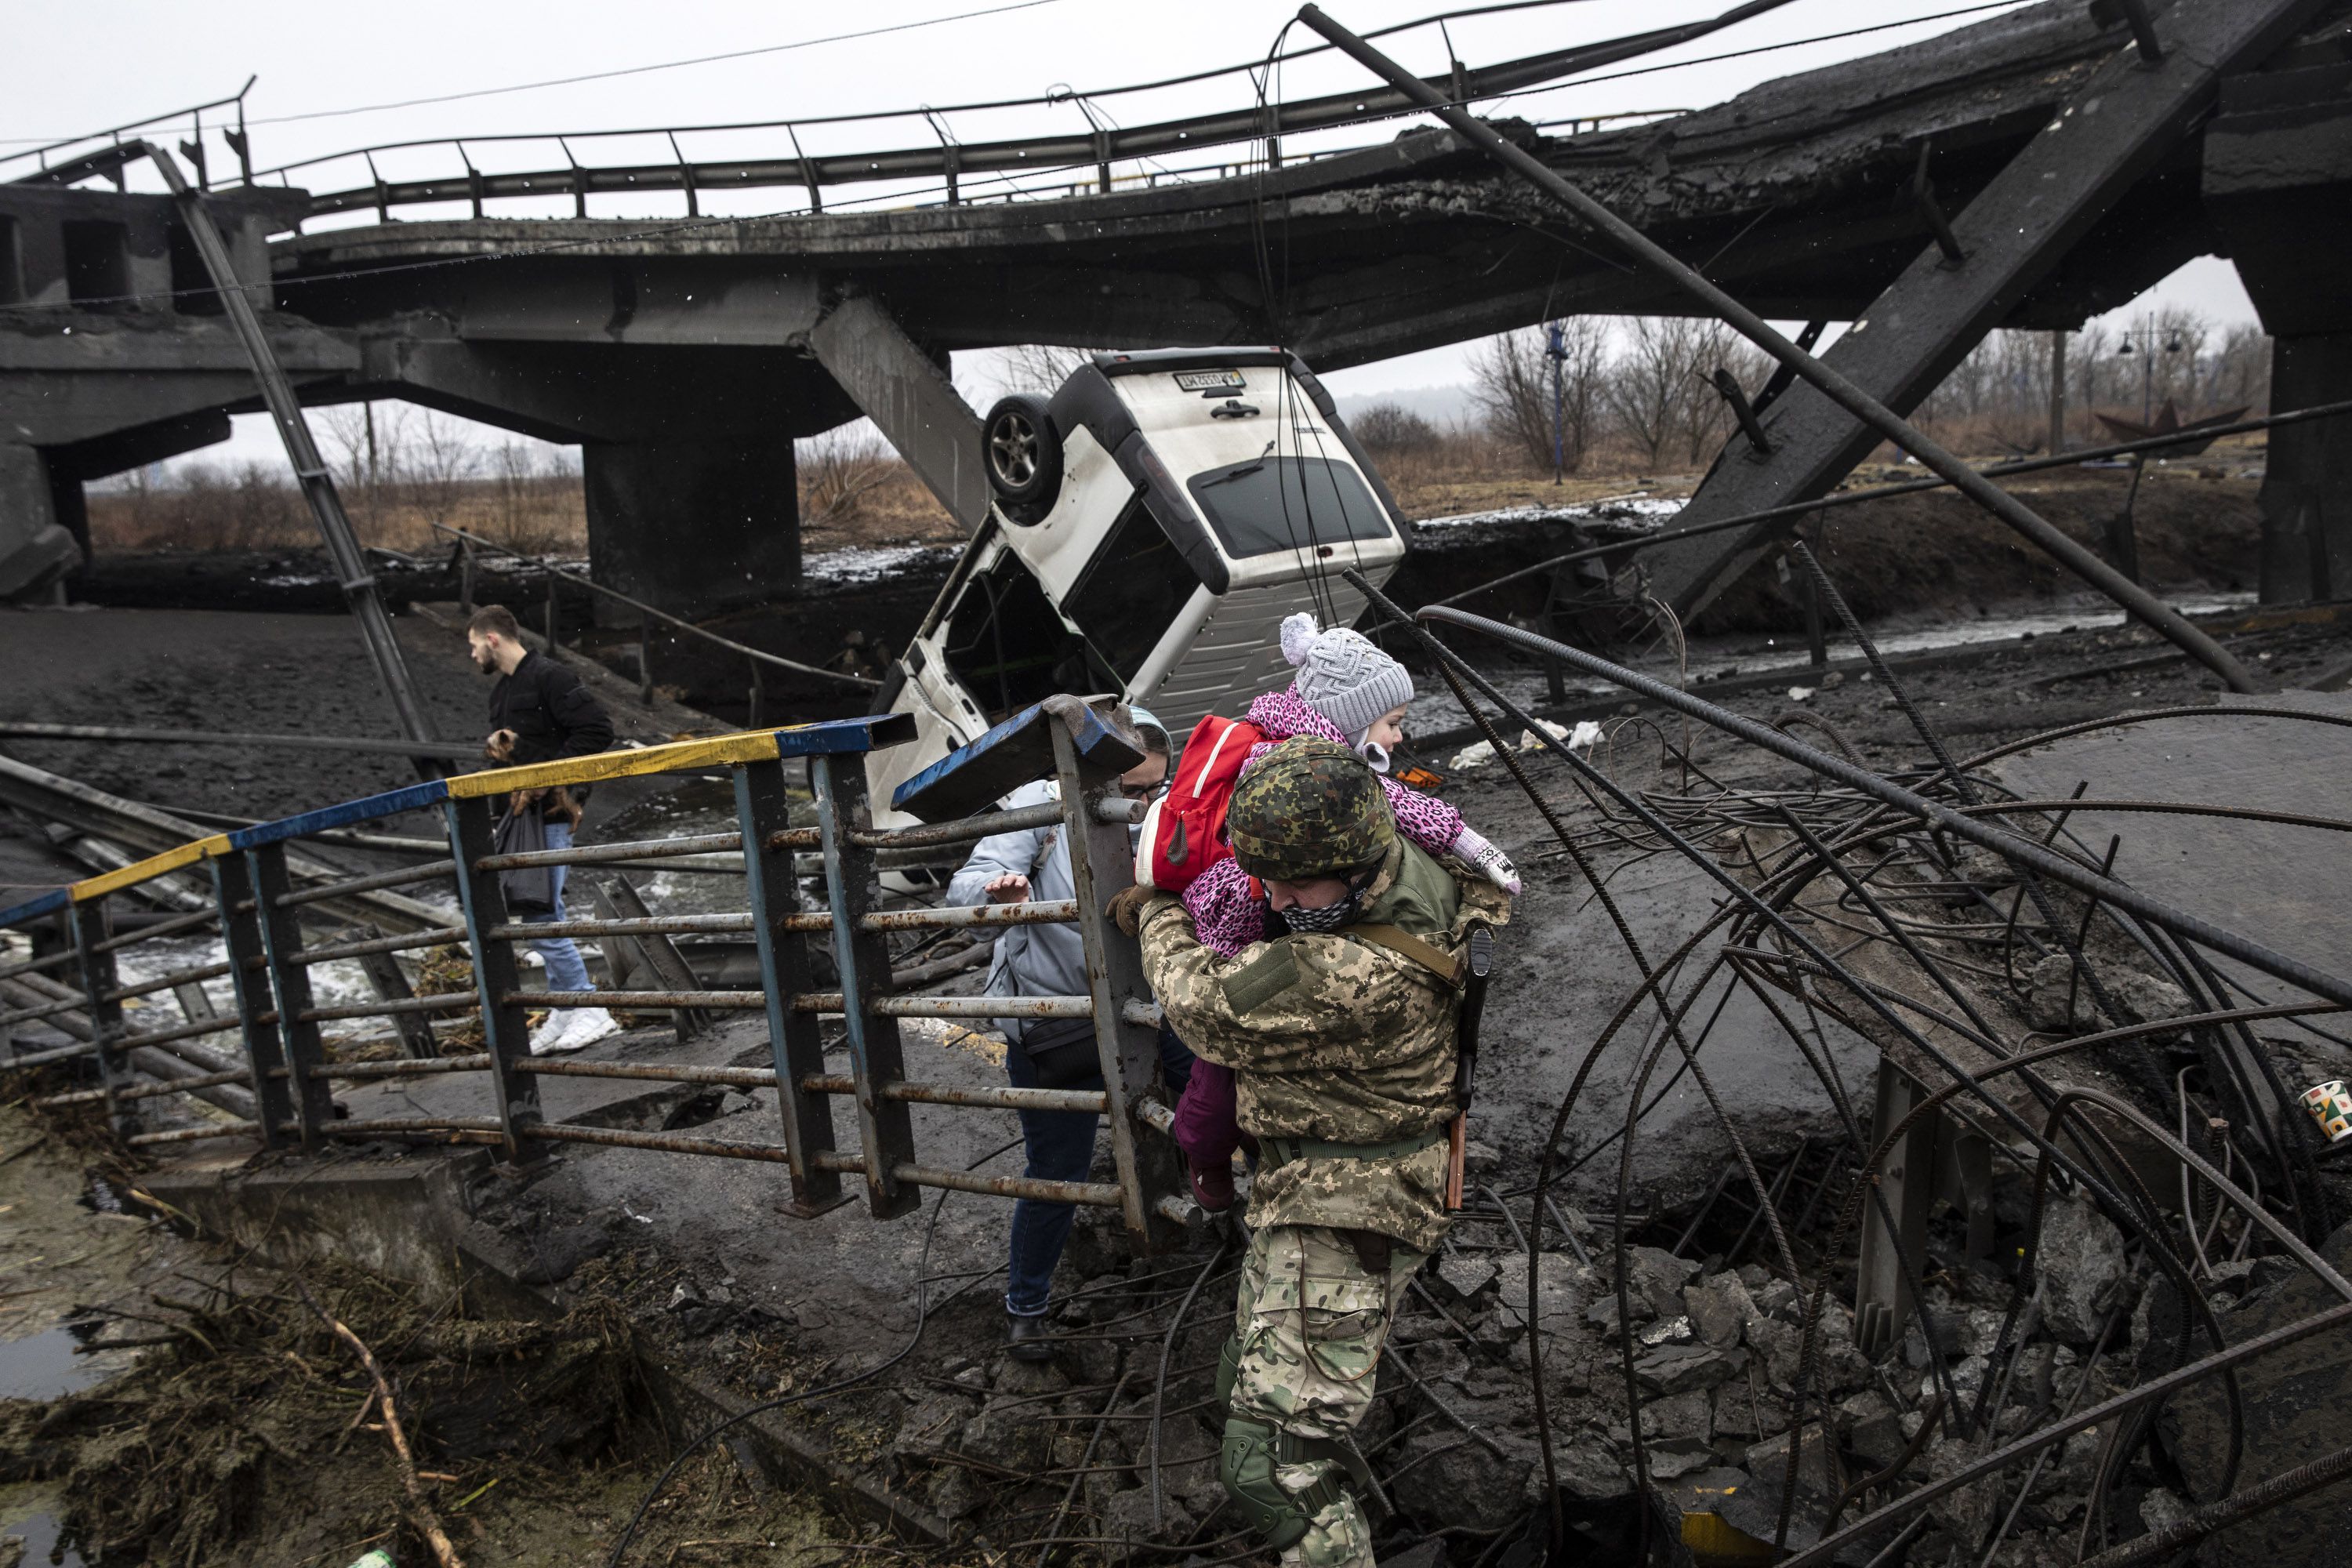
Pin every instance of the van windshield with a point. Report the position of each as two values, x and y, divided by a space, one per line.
1288 503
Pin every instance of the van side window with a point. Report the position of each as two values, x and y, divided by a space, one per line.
1007 645
1131 591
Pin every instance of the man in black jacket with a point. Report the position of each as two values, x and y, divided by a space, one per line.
540 712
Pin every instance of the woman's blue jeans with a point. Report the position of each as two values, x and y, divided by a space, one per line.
1061 1149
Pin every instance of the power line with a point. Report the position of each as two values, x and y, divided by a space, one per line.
662 66
1004 181
609 75
1049 98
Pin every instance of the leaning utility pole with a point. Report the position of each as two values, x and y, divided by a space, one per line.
2057 393
318 485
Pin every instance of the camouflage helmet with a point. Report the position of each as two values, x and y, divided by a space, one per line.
1310 808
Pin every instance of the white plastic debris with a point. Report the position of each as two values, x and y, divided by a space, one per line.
1800 693
1530 742
1583 738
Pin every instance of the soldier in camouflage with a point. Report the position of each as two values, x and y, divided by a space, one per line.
1340 1033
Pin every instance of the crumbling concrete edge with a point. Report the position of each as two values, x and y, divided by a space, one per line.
409 1221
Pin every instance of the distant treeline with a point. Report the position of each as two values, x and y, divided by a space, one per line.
1606 398
1639 400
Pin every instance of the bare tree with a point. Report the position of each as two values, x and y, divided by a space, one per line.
1652 383
837 471
1391 430
2242 369
1541 404
349 438
1040 367
1707 419
438 459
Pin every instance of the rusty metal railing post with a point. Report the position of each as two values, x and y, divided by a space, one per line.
259 1019
96 964
1102 862
885 1130
795 1042
282 944
506 1028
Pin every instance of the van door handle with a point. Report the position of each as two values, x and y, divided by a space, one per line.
1234 408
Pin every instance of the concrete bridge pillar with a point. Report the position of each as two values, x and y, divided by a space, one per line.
2307 495
694 526
2278 180
37 546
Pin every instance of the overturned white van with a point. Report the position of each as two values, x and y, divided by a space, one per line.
1151 524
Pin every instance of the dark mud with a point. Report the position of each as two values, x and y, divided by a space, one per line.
1565 971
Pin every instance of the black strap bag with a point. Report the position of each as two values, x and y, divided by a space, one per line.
1062 1051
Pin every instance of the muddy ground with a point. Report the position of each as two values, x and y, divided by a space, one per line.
709 1277
233 1428
712 1282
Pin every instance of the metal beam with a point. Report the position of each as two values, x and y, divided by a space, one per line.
309 470
1652 257
52 797
2110 133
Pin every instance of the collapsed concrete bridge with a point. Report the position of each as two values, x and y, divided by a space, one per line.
2029 171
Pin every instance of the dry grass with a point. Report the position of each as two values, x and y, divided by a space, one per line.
857 495
253 510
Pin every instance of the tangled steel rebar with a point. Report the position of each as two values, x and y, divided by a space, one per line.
1869 902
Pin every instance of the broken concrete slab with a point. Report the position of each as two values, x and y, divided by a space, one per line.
2296 1403
2080 1258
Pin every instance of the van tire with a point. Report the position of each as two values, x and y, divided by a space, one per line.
1022 451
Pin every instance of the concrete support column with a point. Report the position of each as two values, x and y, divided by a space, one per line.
2306 499
35 550
694 526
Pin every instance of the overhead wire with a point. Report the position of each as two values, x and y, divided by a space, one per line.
1007 181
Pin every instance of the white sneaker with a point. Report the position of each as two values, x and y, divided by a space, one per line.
561 1033
588 1025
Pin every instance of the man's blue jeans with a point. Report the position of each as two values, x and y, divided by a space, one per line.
1061 1149
566 969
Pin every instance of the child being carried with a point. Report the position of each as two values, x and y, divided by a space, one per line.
1347 690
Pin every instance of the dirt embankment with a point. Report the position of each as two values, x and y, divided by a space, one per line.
1937 553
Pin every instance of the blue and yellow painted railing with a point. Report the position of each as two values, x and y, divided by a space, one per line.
258 913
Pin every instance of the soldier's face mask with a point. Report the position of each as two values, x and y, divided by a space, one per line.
1331 917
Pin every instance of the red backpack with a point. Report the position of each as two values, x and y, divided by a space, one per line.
1184 831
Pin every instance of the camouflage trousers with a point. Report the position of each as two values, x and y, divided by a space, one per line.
1311 1323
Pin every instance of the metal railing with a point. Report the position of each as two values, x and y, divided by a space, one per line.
759 659
277 1088
1011 165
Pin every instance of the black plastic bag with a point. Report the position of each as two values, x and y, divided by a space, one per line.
528 889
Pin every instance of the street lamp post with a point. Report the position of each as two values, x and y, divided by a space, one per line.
2145 335
1556 349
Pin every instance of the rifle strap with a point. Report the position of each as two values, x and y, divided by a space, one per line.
1404 943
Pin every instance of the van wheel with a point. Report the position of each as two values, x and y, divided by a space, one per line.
1022 449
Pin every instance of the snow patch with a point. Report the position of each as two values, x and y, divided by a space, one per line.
870 565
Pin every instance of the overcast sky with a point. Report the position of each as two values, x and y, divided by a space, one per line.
327 74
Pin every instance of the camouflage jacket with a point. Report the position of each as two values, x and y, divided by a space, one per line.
1333 1038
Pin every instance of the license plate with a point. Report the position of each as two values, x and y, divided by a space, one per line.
1211 380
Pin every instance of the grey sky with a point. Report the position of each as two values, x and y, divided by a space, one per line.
311 59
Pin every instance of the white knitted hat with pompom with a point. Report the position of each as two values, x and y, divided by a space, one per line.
1342 676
